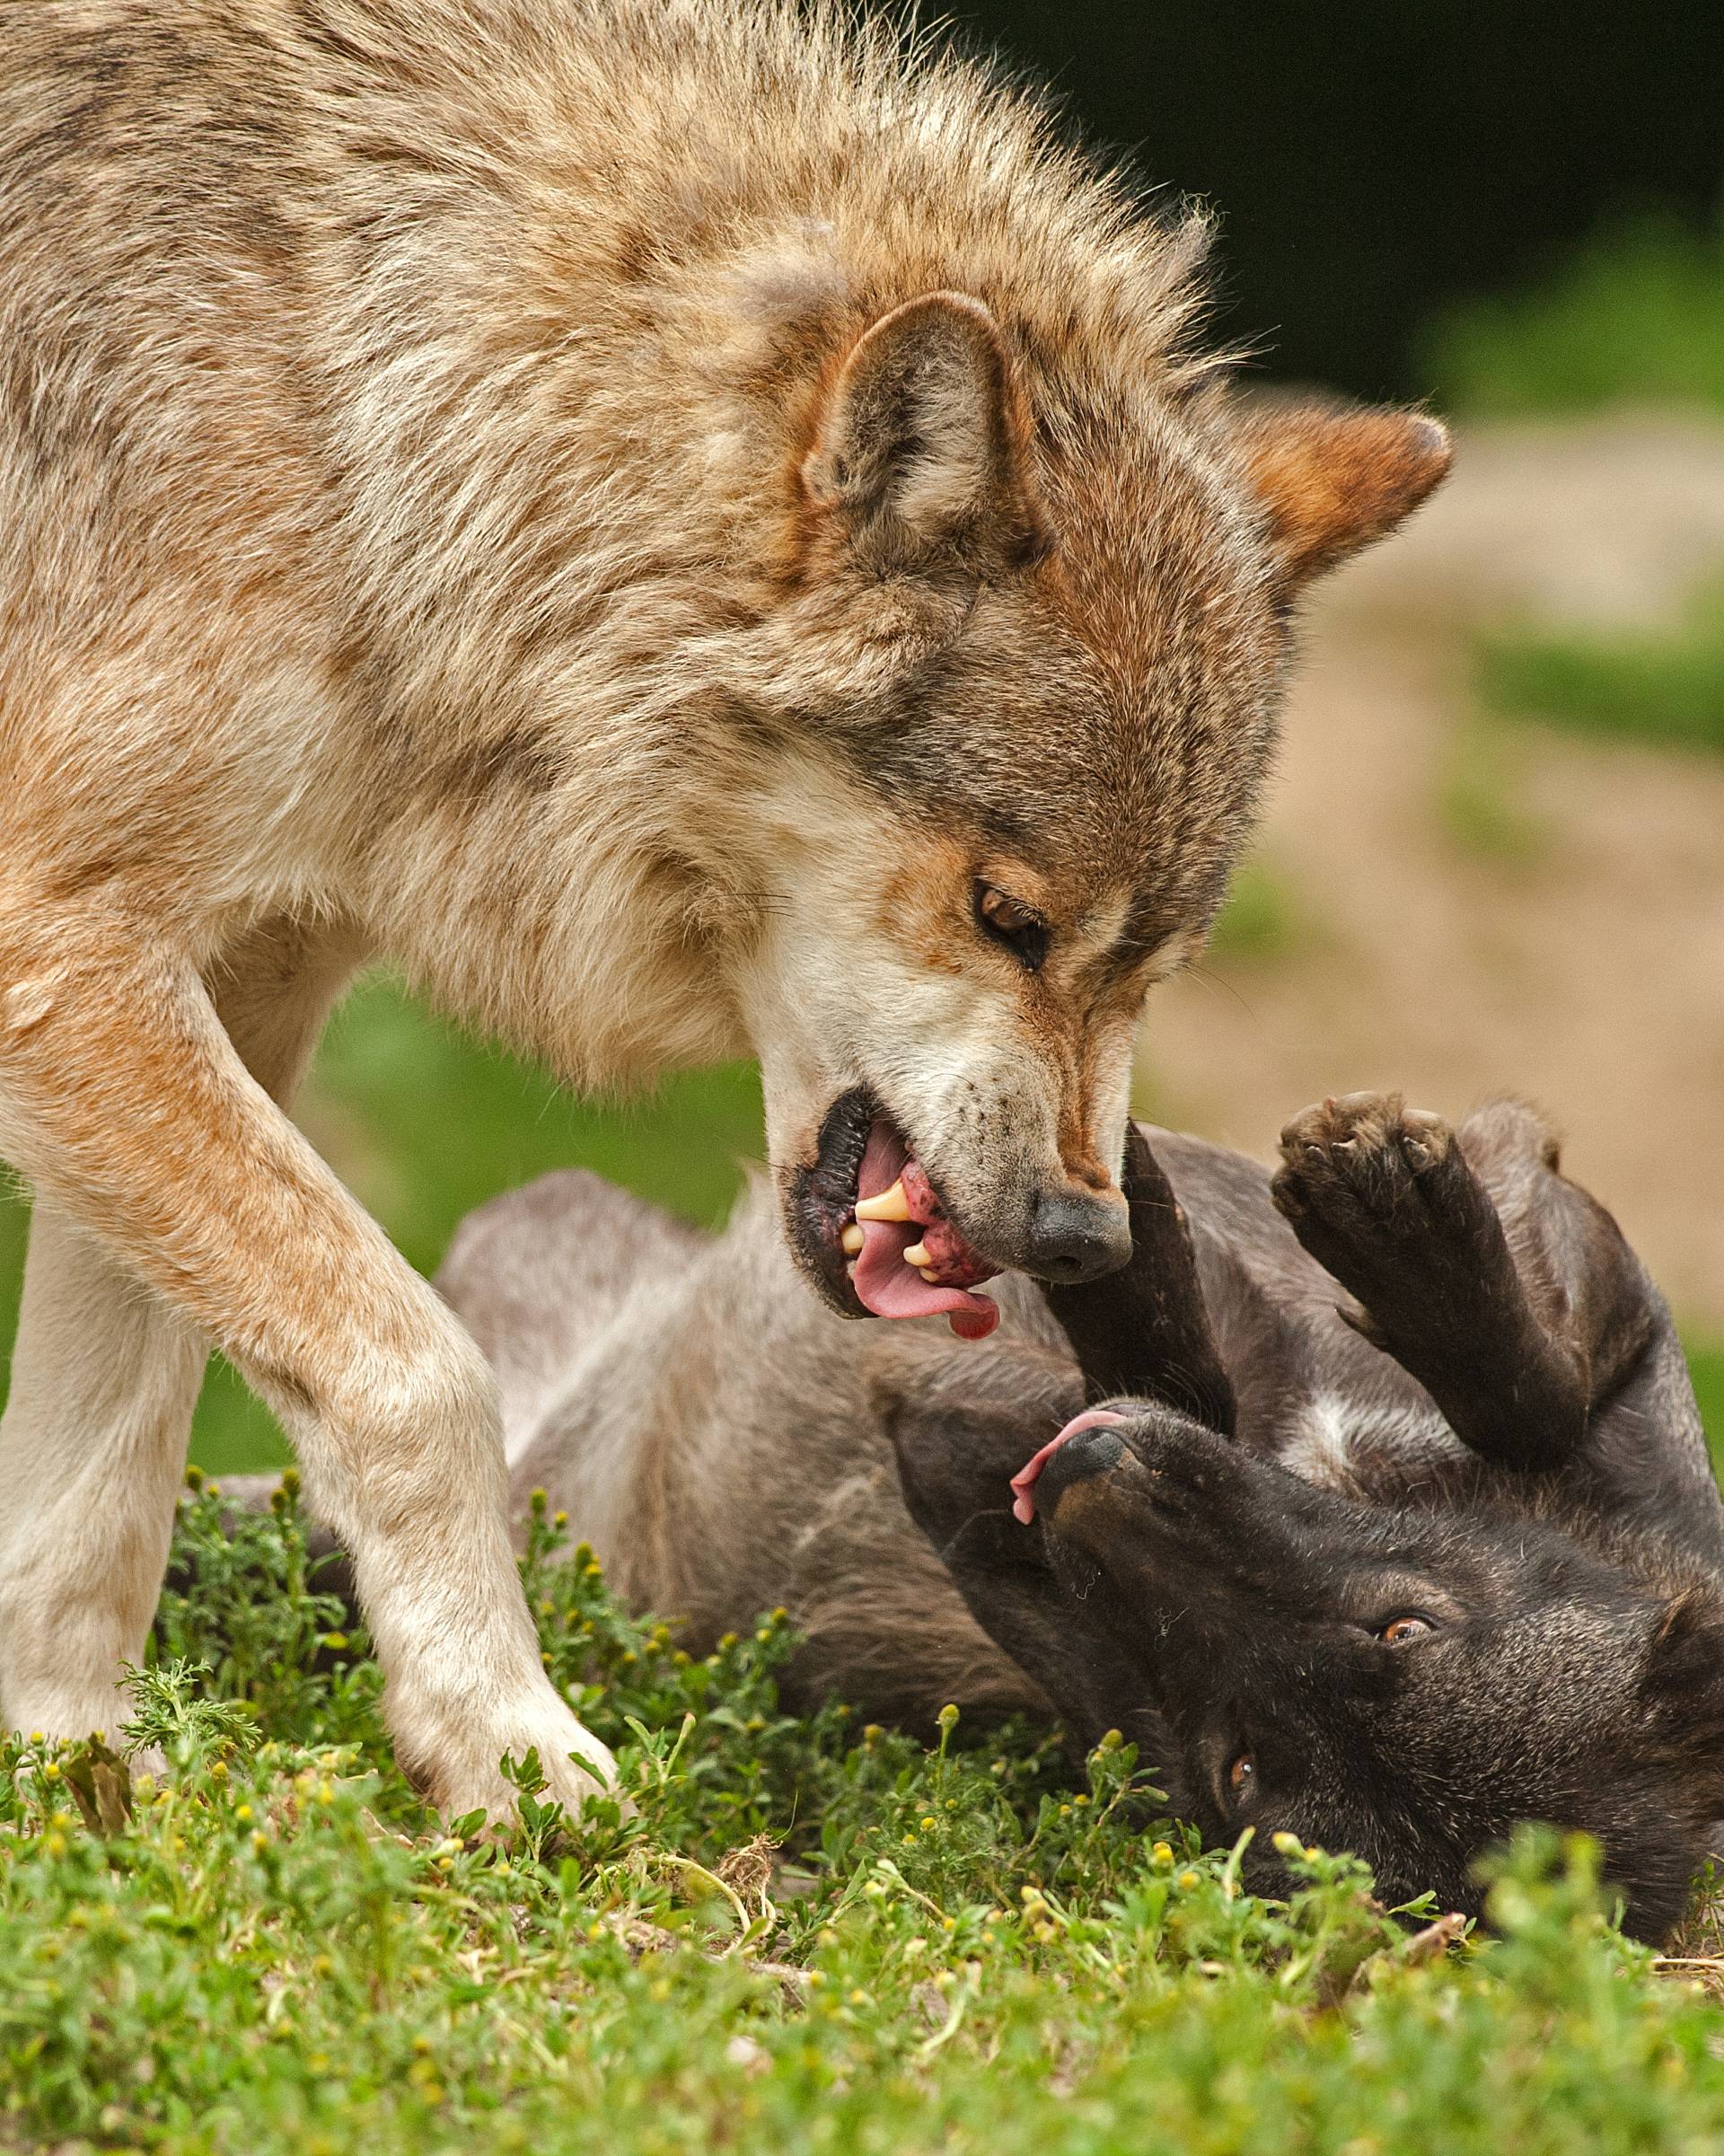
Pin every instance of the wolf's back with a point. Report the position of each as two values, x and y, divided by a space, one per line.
361 287
238 166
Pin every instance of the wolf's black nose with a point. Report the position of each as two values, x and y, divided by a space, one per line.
1076 1237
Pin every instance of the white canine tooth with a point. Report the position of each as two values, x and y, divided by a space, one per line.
852 1239
916 1256
929 1275
890 1205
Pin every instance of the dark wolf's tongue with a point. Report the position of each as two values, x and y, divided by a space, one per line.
1027 1476
884 1283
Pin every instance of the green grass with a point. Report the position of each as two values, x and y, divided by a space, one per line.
1636 315
810 1937
1665 690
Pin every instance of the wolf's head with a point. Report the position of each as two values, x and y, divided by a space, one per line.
1408 1685
1005 723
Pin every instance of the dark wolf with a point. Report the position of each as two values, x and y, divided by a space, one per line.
696 527
1372 1503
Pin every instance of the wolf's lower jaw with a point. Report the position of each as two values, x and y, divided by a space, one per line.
859 1254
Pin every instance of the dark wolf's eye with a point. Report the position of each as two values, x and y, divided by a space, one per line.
1408 1626
1241 1777
1009 921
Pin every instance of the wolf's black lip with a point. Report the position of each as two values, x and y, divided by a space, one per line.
819 1198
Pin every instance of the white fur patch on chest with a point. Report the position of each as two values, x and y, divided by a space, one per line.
1335 1437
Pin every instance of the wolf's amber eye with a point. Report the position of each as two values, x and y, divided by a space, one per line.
1408 1627
1009 920
1241 1776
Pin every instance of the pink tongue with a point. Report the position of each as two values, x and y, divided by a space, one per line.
884 1283
1025 1481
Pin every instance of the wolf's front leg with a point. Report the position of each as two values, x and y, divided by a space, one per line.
128 1107
1145 1329
104 1378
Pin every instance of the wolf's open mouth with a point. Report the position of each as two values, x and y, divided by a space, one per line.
875 1232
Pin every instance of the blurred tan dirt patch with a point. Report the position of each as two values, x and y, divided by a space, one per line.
1459 905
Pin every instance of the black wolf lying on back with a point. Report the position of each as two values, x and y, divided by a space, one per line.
1392 1575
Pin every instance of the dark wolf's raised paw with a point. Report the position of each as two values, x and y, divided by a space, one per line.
1382 1196
1368 1168
1385 1199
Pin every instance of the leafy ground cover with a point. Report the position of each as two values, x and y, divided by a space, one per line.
808 1936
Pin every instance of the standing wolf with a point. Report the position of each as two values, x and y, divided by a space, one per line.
691 529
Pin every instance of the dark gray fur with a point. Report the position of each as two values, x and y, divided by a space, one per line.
1208 1576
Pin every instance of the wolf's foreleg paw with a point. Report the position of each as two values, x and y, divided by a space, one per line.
1366 1166
1383 1197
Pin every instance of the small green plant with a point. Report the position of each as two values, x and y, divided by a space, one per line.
170 1713
245 1604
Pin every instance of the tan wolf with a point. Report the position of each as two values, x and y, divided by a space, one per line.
693 528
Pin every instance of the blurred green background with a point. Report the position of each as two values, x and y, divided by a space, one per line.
1513 211
1374 165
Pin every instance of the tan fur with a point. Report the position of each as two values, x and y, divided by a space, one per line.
581 498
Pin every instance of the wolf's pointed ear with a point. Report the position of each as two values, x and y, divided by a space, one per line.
1334 478
918 460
